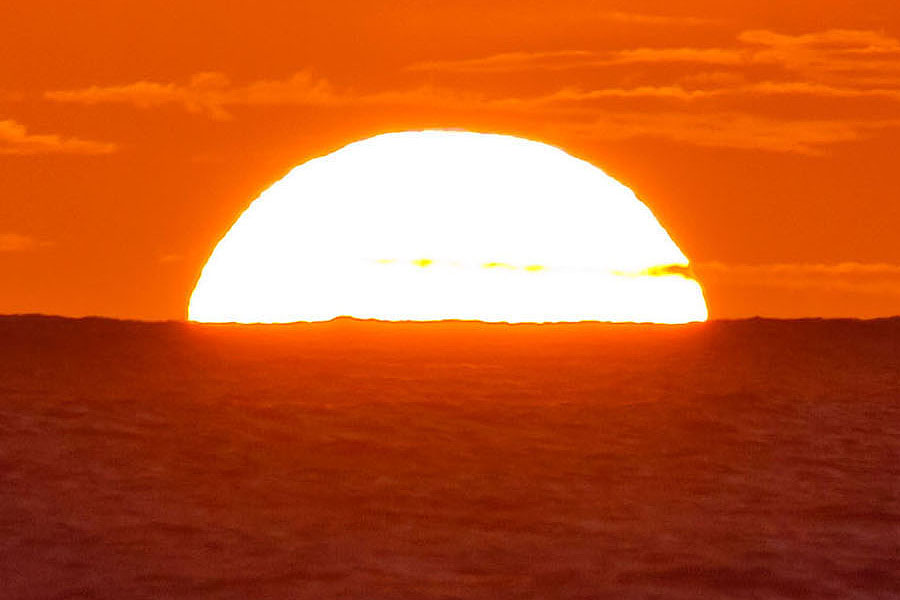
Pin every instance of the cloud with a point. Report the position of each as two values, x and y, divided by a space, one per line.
861 43
839 51
850 51
648 19
694 104
510 61
567 100
208 93
15 242
846 57
569 108
675 92
581 59
816 89
15 139
874 278
733 130
707 56
213 95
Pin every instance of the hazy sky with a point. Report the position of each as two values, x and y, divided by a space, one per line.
763 135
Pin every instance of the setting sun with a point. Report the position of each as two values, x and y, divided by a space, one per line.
538 298
433 225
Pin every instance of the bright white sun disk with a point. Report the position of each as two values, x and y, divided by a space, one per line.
436 225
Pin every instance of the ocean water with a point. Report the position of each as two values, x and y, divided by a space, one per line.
742 459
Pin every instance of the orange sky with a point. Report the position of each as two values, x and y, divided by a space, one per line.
765 137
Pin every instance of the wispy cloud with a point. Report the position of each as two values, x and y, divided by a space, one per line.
705 56
833 48
16 242
671 92
806 88
734 130
510 61
214 95
651 19
581 59
570 107
852 53
874 278
694 104
207 93
15 139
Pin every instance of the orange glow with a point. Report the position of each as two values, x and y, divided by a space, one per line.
437 225
133 134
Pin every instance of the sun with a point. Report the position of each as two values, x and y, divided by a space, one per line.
432 225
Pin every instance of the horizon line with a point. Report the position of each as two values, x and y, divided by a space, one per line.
348 318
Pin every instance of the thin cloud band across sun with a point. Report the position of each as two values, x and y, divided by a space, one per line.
433 225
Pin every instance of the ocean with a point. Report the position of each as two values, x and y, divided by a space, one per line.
358 459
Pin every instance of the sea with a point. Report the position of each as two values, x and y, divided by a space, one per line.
454 460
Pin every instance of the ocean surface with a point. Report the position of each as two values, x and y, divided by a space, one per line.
352 459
